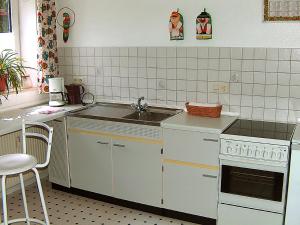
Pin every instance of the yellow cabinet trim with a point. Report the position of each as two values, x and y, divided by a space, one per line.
116 137
189 164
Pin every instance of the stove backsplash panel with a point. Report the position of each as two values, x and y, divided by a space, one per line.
258 83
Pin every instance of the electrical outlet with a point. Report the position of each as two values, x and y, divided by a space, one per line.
77 81
223 88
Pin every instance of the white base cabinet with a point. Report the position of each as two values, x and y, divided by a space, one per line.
90 163
109 158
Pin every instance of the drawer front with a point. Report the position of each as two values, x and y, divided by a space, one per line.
115 128
191 146
232 215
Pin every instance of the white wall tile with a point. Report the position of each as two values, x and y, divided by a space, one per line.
295 54
192 52
161 52
225 53
260 53
248 53
270 102
285 53
272 54
214 53
236 53
203 52
181 52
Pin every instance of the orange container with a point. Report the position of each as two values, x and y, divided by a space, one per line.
206 111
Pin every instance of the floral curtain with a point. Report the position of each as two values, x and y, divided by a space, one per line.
47 42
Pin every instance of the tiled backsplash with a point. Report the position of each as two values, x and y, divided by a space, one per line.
258 83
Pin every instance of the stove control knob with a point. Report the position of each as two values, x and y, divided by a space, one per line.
280 156
228 149
257 154
273 155
266 154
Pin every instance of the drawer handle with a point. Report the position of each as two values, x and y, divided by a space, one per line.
210 176
120 146
102 143
211 140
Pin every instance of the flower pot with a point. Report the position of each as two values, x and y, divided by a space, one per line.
3 83
3 12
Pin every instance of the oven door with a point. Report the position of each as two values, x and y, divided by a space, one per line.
253 185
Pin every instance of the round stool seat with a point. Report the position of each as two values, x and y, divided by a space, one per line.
16 163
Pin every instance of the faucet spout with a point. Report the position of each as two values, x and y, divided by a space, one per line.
139 107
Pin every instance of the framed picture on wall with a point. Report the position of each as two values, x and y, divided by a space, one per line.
5 16
282 10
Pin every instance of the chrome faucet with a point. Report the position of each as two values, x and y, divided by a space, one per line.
139 107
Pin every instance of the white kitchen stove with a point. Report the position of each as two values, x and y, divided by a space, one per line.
254 161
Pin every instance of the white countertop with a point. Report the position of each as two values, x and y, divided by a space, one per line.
11 121
184 121
296 138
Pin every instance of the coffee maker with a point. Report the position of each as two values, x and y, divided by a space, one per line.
56 92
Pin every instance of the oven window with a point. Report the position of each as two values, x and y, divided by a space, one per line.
252 183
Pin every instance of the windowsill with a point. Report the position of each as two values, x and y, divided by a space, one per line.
25 98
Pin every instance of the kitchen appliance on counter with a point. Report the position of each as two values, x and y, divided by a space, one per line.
56 92
254 172
293 198
74 93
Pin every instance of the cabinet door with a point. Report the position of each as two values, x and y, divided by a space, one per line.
59 162
190 190
137 172
90 163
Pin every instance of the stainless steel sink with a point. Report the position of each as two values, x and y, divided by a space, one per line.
148 116
124 113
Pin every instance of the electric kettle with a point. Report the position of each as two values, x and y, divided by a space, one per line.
74 93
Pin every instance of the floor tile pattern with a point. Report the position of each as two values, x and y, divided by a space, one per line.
65 209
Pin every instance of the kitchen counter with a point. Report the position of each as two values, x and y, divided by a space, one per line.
296 138
11 121
184 121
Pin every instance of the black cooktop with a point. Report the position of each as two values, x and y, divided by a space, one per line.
261 129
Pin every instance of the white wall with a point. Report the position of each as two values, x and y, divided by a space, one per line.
237 23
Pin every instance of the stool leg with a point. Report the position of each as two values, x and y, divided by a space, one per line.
38 181
24 198
5 219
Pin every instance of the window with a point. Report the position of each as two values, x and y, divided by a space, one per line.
5 16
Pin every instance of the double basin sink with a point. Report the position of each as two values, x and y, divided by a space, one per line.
125 113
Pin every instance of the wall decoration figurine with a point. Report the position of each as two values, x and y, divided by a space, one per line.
66 19
204 26
176 26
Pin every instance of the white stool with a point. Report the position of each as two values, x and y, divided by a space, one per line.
14 164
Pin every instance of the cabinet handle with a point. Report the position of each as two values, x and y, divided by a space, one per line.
210 176
57 120
102 143
211 140
120 146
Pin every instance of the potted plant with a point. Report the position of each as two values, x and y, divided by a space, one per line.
11 70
